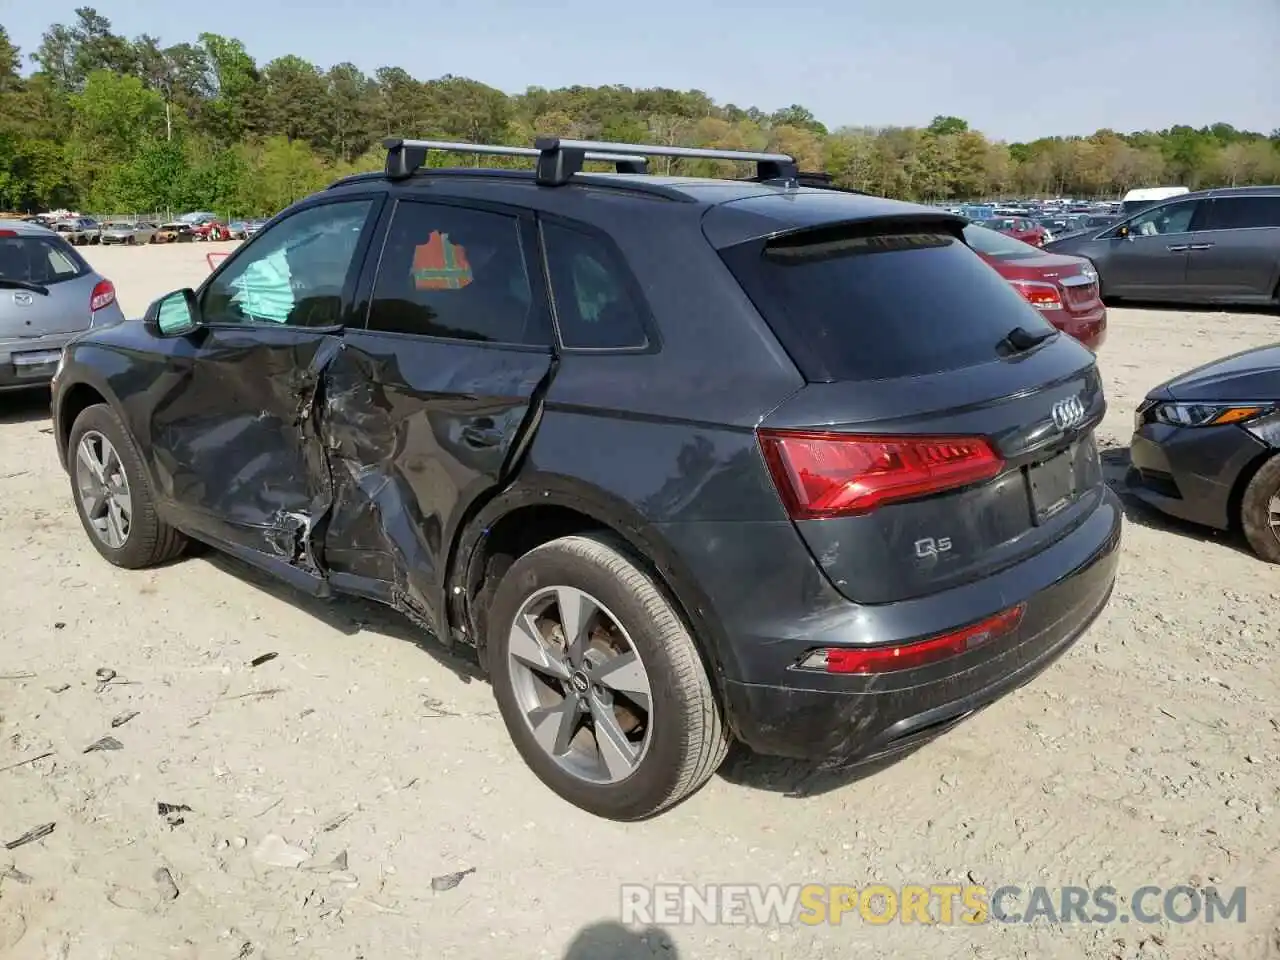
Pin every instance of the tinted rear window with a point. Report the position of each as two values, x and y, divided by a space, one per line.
42 260
851 303
1243 213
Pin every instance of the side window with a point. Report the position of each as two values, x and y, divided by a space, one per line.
294 273
1242 213
456 273
595 308
1159 221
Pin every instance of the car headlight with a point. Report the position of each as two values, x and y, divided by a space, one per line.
1088 271
1208 414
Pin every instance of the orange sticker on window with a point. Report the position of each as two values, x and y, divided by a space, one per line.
440 265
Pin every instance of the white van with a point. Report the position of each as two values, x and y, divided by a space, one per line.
1144 197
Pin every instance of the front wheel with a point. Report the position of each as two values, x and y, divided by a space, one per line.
1260 511
113 494
599 681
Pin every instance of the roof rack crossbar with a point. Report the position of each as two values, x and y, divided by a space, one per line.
560 159
406 156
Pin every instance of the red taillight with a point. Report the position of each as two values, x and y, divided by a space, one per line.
1042 296
8 233
906 656
838 474
104 294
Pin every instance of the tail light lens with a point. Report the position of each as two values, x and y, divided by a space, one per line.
104 294
822 475
1042 296
906 656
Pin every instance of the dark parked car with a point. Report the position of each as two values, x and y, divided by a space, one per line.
1204 447
684 460
1218 246
1064 289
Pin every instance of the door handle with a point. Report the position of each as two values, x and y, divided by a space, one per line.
482 433
1178 247
1200 246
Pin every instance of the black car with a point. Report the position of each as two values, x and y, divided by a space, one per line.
686 460
1204 447
1217 246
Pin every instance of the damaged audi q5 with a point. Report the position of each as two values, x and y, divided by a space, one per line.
684 460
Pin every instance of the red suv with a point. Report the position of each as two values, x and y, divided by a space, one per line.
1064 289
1020 228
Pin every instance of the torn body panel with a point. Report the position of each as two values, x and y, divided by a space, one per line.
418 433
236 448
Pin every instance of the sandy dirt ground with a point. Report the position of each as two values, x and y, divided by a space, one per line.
1150 754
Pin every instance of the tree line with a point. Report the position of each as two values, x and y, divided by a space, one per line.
93 120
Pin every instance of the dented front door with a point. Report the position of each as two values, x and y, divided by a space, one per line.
235 442
236 451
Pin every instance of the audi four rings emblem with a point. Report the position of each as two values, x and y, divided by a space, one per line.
1068 413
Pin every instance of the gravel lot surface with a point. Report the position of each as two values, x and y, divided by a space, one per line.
1150 754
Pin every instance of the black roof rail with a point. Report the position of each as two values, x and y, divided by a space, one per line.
404 157
560 159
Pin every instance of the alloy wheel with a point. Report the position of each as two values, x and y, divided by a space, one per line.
580 684
103 488
1273 514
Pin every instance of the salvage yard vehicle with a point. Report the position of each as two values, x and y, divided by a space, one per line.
1204 448
79 230
124 232
500 402
174 232
48 294
1064 289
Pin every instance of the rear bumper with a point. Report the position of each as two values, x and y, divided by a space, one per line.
778 709
1087 326
18 374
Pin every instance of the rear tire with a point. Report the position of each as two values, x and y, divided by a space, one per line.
1260 511
99 436
682 736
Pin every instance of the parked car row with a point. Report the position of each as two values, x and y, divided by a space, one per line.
83 231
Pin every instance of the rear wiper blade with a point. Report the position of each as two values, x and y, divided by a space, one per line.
1018 340
39 288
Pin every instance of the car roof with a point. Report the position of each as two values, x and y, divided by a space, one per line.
743 209
24 229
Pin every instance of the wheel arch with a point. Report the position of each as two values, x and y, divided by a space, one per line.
73 400
1236 500
541 508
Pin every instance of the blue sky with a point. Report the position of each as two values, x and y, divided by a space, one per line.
1015 70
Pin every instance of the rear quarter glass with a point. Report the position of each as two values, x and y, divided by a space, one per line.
857 302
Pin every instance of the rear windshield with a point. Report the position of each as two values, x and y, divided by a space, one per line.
42 260
848 303
999 246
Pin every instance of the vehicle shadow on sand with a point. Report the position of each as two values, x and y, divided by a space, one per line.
613 941
1115 466
24 406
348 615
